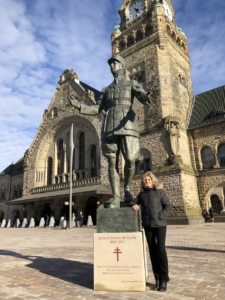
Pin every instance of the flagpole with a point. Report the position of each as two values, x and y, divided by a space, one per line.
71 177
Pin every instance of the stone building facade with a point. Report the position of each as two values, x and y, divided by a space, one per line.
182 135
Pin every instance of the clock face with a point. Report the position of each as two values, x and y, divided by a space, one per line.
168 10
136 8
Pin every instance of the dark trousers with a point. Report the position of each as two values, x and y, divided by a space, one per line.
156 238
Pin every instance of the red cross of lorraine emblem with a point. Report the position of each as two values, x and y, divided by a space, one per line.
117 252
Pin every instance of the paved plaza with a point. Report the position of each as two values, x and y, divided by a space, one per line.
49 263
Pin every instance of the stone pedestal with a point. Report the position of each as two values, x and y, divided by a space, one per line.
119 262
118 220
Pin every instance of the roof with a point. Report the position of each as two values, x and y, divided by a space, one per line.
208 108
88 87
14 169
99 189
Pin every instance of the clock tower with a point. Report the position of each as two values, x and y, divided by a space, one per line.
156 53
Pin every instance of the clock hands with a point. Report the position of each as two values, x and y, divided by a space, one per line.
136 9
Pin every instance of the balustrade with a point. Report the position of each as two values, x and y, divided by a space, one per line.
63 185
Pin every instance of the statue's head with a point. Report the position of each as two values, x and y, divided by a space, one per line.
117 64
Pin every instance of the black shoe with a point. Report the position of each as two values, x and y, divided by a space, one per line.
156 287
162 286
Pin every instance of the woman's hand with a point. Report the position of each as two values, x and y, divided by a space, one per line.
135 207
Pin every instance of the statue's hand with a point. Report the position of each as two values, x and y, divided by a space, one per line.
74 101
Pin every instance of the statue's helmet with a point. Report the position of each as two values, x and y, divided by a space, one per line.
118 58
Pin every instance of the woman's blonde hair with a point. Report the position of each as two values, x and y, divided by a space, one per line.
155 181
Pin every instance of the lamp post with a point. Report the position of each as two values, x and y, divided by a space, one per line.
71 177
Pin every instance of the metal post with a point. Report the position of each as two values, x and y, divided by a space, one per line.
71 177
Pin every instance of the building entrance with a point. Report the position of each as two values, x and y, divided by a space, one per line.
216 204
91 208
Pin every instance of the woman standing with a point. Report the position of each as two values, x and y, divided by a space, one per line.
155 208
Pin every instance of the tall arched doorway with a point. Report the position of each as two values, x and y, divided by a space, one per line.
91 208
1 216
15 215
216 204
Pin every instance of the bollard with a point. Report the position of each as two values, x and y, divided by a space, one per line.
3 223
17 223
32 223
42 223
52 222
24 224
9 224
89 222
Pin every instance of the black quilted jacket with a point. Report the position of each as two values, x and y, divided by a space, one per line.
155 207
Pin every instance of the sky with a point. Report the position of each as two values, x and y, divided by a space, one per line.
40 39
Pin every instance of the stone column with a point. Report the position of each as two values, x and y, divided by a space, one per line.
217 165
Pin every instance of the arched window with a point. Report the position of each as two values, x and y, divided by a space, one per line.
148 29
60 157
13 192
139 35
208 158
49 170
19 191
68 151
143 162
183 46
54 112
93 161
82 151
222 155
130 40
168 30
122 46
173 35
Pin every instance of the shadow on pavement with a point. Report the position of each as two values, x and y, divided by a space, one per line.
79 273
194 249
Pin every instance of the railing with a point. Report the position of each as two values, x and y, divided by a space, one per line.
64 185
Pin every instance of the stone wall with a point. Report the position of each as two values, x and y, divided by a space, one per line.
211 136
56 124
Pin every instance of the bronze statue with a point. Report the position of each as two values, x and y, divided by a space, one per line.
120 130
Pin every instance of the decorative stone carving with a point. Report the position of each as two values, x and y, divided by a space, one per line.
68 75
25 159
171 125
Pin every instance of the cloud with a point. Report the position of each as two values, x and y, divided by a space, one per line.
203 22
40 39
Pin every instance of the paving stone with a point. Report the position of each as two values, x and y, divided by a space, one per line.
54 264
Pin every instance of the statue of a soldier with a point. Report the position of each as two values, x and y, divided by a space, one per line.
120 130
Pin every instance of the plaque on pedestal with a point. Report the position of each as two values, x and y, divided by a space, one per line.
122 267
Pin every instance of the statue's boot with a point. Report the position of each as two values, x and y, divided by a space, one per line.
115 203
129 172
114 180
